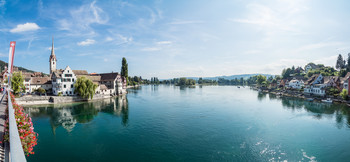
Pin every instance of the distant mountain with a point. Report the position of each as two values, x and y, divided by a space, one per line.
244 76
3 64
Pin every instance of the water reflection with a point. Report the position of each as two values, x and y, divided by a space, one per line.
68 115
261 96
319 110
134 90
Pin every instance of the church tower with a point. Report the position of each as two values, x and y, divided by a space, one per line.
53 60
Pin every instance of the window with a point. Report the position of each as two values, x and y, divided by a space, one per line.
71 85
73 80
54 62
64 86
68 75
70 92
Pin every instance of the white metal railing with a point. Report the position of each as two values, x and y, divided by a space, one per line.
16 150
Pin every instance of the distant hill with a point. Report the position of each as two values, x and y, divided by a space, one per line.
3 64
244 76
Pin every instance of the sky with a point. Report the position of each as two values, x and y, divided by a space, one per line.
182 38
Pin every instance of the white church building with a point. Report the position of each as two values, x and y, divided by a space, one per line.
63 80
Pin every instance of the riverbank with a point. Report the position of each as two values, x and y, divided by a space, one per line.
297 94
45 100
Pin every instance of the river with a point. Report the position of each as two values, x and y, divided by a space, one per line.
205 123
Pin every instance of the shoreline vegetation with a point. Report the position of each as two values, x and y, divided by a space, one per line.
335 88
313 82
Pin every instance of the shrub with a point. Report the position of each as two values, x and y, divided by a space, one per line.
41 90
344 94
25 128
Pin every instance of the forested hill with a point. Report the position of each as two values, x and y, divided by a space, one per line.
244 76
3 64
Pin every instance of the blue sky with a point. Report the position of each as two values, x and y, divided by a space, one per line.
175 38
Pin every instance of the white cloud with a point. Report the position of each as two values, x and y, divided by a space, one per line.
118 38
280 16
82 18
25 27
109 39
164 42
125 39
326 60
86 42
151 49
2 3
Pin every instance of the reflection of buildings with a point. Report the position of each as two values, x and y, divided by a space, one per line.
63 117
68 116
318 110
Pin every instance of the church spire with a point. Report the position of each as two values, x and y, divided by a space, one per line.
52 48
52 56
53 60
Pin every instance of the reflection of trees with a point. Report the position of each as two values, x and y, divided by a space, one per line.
320 110
261 96
125 111
272 96
69 114
134 90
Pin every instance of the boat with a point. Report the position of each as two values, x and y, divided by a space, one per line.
309 99
238 87
328 100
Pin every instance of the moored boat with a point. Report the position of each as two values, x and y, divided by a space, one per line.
328 100
309 99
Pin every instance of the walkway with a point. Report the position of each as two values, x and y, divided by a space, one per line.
3 103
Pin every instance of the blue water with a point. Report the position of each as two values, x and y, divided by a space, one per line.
209 123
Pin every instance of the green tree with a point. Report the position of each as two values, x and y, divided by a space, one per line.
17 83
124 70
344 94
182 81
261 79
340 62
41 90
85 88
200 80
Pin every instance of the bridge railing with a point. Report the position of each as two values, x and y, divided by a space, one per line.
16 149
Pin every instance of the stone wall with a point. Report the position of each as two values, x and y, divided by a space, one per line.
36 100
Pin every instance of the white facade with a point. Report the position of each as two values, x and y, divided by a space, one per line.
307 68
296 84
317 89
64 83
345 85
26 83
34 87
34 83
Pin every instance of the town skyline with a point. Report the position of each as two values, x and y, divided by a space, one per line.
170 40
